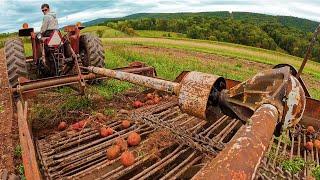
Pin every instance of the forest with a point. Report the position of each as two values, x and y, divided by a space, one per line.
267 34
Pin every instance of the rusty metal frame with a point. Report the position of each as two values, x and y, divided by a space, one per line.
27 87
241 157
29 159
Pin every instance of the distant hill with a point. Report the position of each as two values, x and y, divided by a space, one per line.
304 25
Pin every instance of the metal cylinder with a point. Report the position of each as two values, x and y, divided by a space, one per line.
149 82
196 88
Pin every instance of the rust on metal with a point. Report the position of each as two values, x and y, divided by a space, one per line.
29 159
29 86
276 86
149 82
195 91
241 157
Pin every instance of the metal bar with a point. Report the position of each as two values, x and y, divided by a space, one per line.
246 148
49 83
149 82
29 159
306 57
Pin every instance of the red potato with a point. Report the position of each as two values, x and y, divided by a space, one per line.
125 124
127 158
316 144
156 100
309 145
82 123
134 139
62 126
104 132
150 96
76 126
137 104
109 131
311 130
113 152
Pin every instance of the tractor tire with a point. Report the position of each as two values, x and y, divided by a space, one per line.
16 60
91 51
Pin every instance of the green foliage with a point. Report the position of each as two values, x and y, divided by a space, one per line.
109 111
197 27
111 87
316 172
17 151
1 108
294 166
255 30
76 103
20 169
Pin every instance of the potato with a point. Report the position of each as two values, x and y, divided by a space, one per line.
316 144
127 158
134 139
62 126
125 124
137 104
309 145
311 130
113 152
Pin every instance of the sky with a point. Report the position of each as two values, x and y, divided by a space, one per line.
13 13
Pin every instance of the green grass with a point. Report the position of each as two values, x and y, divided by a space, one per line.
111 87
103 32
316 172
294 166
159 34
169 67
1 108
17 151
225 49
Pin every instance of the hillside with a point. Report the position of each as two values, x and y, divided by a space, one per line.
304 25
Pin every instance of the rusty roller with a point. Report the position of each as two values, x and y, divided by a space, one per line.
196 91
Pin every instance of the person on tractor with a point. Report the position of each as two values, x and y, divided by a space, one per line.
49 22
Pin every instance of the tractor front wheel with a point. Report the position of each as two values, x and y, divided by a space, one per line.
16 60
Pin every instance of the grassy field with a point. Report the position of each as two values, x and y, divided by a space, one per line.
103 32
120 51
225 49
159 34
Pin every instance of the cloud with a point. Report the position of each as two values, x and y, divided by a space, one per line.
13 13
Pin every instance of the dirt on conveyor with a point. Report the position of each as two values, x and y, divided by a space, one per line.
8 126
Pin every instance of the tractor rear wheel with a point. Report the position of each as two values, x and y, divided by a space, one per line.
16 60
91 51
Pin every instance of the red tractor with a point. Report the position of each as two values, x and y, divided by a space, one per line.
53 54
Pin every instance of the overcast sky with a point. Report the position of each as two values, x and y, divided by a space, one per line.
13 13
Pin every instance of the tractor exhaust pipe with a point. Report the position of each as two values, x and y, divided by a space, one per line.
196 91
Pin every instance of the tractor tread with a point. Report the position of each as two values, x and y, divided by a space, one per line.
94 49
15 59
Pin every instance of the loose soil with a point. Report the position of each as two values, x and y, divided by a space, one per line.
9 135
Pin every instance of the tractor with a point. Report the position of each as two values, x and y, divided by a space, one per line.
54 54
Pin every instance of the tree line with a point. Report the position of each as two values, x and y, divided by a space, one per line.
267 35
